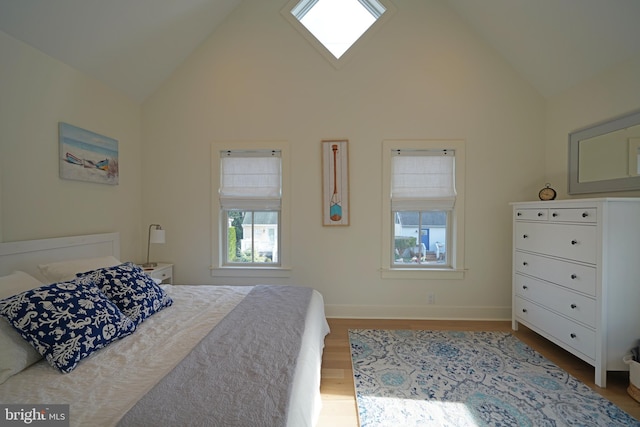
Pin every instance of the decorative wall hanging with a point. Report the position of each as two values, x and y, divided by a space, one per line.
87 156
335 182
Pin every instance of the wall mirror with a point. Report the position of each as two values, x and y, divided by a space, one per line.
606 156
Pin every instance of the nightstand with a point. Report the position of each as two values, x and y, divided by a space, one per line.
162 271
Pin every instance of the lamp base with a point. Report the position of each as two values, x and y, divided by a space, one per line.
149 264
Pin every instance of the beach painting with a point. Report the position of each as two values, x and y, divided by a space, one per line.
87 156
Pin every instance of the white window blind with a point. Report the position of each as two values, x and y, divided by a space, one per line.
423 180
250 180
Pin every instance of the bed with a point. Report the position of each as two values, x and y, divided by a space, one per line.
194 355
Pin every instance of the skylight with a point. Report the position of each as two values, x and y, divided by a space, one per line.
338 24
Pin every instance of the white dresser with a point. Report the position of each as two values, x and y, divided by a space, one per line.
576 276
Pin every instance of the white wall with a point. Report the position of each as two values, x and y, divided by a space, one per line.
36 92
612 93
425 74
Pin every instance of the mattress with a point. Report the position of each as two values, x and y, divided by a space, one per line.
109 383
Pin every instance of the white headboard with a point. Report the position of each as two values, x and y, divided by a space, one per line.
28 254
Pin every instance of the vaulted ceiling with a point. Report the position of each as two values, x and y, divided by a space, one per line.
134 45
130 45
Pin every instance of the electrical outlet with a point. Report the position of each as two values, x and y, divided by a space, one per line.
431 298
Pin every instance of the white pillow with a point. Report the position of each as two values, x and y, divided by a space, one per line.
63 271
17 282
16 353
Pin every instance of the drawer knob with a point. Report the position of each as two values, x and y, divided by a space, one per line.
525 287
525 263
574 276
555 214
519 214
573 306
573 336
525 236
585 214
540 214
574 242
524 310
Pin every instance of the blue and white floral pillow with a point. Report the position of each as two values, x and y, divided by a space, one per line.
66 322
131 289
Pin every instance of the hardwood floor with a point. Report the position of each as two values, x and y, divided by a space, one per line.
338 395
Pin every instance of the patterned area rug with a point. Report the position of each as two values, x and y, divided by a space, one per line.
450 378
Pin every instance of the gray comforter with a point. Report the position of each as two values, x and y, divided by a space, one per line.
240 374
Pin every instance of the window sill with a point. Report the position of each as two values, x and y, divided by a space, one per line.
422 273
251 272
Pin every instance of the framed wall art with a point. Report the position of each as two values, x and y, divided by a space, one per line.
335 182
87 156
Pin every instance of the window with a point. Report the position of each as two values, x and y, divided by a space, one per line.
250 206
423 213
250 185
334 26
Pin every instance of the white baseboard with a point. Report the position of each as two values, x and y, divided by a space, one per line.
422 312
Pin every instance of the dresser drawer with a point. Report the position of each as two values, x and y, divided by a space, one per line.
586 215
578 277
575 336
575 306
576 242
531 214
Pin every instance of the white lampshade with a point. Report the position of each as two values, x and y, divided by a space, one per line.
156 236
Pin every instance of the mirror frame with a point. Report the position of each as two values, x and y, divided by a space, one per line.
617 184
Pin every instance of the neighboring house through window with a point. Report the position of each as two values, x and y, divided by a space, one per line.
423 212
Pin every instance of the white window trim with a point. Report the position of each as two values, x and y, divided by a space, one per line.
218 267
336 62
389 271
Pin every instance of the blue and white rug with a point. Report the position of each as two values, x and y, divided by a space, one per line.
451 378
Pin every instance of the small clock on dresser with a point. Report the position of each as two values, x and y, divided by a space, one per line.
547 193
